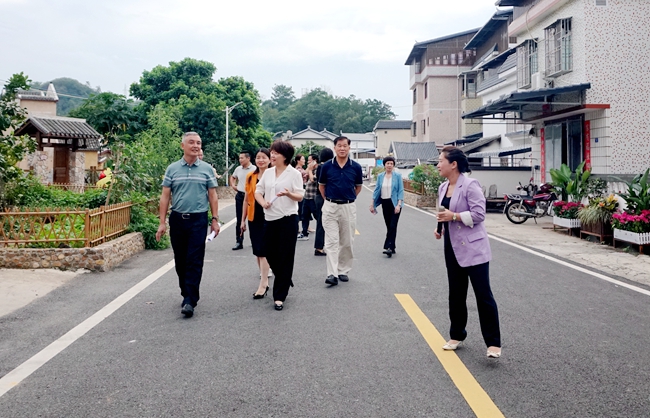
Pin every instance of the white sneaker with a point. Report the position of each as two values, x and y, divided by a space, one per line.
302 237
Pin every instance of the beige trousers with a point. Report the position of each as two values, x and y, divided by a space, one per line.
339 223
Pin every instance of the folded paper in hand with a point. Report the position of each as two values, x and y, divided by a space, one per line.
211 236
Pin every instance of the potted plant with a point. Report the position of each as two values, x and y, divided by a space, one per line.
596 217
632 228
565 214
633 225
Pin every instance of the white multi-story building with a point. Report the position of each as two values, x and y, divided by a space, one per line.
582 84
434 69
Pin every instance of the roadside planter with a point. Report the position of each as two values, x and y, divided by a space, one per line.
569 223
639 239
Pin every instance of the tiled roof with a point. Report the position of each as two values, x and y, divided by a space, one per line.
61 127
393 124
35 95
509 63
413 151
478 144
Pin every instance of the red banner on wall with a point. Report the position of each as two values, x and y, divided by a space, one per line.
587 145
542 163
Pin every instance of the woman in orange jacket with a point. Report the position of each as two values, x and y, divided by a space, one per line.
255 214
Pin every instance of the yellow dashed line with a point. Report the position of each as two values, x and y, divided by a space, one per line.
476 397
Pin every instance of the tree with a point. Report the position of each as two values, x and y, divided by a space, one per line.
189 78
188 86
112 115
282 97
320 110
309 147
12 148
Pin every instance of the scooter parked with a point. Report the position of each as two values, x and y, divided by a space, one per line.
531 205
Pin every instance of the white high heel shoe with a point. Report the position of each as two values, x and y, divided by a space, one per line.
452 347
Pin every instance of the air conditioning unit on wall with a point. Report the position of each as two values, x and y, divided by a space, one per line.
536 81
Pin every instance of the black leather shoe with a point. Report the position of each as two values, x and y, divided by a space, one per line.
239 246
332 280
319 252
279 307
187 310
343 277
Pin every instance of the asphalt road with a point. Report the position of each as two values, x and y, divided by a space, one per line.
573 345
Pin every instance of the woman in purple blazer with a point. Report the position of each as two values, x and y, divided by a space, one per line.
467 251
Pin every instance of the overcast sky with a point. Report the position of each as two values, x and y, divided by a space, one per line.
346 46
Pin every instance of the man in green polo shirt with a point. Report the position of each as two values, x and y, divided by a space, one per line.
191 186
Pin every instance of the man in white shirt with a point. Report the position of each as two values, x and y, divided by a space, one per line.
237 182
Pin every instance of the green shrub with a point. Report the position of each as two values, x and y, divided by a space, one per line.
147 223
427 175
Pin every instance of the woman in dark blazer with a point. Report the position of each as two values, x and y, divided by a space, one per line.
389 193
467 251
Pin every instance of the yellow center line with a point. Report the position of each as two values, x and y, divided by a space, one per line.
474 394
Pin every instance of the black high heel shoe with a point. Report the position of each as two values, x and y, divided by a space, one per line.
256 296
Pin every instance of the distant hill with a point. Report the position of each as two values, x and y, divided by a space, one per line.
70 87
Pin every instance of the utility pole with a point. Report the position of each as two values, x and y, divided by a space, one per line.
228 110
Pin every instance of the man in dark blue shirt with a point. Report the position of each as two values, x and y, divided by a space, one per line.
339 183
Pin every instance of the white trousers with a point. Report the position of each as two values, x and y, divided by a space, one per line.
339 223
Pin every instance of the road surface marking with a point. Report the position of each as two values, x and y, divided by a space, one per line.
356 232
21 372
558 261
476 397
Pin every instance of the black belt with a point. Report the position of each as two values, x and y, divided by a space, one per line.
190 216
238 192
339 202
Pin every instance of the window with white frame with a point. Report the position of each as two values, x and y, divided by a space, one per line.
414 129
559 53
424 127
526 63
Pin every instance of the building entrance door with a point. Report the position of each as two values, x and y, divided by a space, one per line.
61 162
563 144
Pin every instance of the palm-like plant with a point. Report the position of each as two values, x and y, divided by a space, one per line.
568 184
638 194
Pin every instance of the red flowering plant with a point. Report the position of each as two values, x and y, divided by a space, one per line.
567 210
634 223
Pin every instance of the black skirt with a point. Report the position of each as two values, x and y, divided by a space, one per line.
256 231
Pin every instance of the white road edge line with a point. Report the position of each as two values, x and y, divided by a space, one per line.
21 372
555 260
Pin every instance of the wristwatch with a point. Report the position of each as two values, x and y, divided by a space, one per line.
214 218
453 218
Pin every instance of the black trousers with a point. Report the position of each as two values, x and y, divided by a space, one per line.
280 238
488 313
390 219
239 207
319 242
187 233
308 210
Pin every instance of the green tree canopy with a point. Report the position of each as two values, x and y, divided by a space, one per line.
200 104
189 78
112 115
320 110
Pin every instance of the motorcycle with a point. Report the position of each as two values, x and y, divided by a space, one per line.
531 205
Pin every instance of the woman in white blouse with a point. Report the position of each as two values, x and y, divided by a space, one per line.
389 193
278 192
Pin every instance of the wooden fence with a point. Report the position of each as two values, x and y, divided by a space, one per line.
75 228
409 186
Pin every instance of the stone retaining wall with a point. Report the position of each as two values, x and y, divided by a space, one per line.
420 201
101 258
